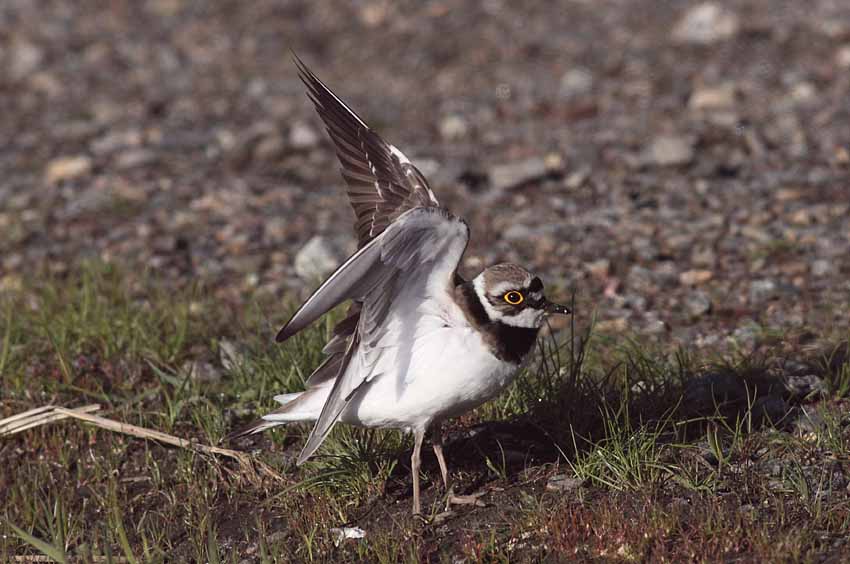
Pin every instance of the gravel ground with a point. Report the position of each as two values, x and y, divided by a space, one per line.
684 166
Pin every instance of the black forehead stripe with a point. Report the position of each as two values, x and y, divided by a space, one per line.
536 285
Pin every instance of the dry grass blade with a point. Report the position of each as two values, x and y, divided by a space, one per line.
36 417
48 414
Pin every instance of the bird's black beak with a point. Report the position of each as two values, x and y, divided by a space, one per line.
550 307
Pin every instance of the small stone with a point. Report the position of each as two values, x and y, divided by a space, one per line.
803 92
269 147
747 334
695 277
640 279
203 372
513 174
133 158
575 82
302 136
453 127
805 386
24 59
318 258
670 150
821 267
697 303
563 483
770 408
599 268
706 23
721 96
230 356
518 231
67 168
709 390
842 57
763 290
576 179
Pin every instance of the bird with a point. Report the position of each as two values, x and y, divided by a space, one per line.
419 343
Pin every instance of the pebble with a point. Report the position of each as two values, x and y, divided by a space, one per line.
575 82
640 279
563 483
713 388
697 303
302 136
23 59
842 57
706 23
134 158
203 372
67 168
763 290
230 356
821 267
805 385
269 147
747 334
453 127
513 174
670 150
720 96
318 258
695 277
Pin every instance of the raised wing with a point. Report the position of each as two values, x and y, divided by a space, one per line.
407 267
382 183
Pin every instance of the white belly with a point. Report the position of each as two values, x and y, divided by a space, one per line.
451 371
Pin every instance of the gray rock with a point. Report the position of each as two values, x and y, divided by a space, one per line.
821 267
318 258
230 356
133 158
697 303
518 231
67 168
703 393
706 23
842 56
721 96
763 290
770 409
453 127
640 279
805 386
202 372
670 150
513 174
563 483
747 334
24 58
269 147
302 136
575 82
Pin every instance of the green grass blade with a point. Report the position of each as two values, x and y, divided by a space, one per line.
47 549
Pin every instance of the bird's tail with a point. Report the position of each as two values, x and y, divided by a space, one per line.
298 406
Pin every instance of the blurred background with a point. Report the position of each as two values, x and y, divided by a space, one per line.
682 166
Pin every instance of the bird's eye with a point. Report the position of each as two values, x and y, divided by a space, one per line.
513 297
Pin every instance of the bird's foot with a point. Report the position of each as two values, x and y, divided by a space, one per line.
471 499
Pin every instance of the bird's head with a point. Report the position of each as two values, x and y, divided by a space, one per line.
512 295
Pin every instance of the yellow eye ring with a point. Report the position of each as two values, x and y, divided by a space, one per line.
513 297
